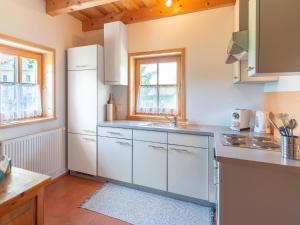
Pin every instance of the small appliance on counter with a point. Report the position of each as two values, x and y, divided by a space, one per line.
240 119
262 124
110 109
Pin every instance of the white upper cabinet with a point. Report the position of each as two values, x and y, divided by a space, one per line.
240 16
116 53
240 68
83 58
240 74
274 35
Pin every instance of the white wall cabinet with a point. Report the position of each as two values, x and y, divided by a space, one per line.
188 171
150 164
240 68
274 45
115 159
116 53
83 58
82 154
240 74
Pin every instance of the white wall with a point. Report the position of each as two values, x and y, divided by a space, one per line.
27 20
285 83
210 93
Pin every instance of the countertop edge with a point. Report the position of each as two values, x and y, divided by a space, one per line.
223 154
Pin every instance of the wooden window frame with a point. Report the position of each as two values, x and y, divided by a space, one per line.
135 59
45 57
25 54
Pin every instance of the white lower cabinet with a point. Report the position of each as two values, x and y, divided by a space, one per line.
82 153
188 171
150 164
158 160
115 159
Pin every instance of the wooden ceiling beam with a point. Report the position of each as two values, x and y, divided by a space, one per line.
79 15
149 3
56 7
155 12
130 4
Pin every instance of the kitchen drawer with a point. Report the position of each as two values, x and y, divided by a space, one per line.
188 140
152 136
115 132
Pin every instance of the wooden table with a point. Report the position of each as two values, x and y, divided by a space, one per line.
22 198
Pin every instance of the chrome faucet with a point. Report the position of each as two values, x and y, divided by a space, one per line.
174 121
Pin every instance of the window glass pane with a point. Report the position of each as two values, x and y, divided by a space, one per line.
147 100
168 73
148 74
168 100
8 65
19 101
29 70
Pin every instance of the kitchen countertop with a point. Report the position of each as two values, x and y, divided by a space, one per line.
224 154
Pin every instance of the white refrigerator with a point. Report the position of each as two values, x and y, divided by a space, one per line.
87 96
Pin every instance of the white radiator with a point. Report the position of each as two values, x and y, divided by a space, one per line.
44 152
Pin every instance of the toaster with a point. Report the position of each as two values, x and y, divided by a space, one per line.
240 119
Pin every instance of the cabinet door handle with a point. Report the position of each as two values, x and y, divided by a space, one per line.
123 143
89 139
81 66
90 131
179 150
156 147
114 133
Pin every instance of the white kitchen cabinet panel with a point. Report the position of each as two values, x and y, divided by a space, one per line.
274 45
82 153
240 74
188 140
152 136
188 171
82 101
115 132
83 58
115 159
116 53
150 164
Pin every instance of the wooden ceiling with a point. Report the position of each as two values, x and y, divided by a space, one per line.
94 13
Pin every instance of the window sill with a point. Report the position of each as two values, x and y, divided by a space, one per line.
25 122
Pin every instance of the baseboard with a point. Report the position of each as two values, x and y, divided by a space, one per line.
59 175
145 189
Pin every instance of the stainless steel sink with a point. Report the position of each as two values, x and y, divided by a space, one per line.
161 125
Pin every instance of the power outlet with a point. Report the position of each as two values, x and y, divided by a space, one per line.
119 109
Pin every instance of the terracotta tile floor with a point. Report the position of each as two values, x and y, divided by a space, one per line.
63 197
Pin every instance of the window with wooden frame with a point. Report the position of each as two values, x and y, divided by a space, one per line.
156 85
22 80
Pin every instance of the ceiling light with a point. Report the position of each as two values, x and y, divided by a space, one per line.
168 3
